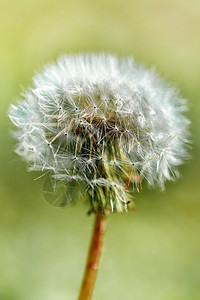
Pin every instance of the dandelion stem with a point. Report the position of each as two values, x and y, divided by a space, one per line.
93 257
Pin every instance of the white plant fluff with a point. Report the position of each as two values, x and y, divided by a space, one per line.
104 122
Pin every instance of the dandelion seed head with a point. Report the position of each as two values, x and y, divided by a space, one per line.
104 121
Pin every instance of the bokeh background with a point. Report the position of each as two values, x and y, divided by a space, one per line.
152 254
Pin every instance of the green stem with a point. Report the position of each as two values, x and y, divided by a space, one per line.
93 257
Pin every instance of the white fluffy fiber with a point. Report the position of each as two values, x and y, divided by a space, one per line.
101 96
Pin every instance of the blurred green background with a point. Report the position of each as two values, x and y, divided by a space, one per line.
153 254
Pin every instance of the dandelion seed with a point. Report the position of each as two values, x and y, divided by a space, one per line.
106 122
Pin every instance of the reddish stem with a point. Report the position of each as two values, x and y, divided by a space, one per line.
93 257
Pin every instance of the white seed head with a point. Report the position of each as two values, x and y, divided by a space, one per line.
103 121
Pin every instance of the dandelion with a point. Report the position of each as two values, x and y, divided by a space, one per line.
100 125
